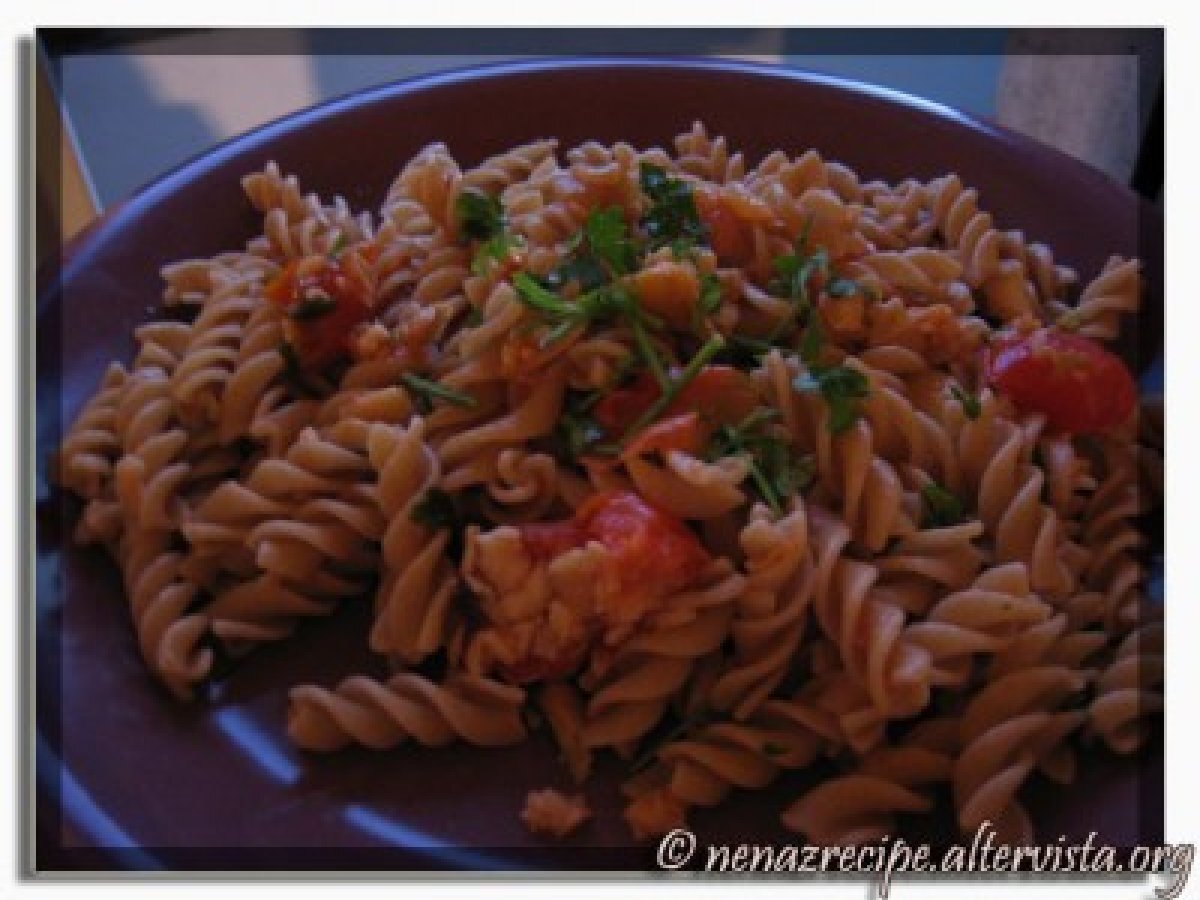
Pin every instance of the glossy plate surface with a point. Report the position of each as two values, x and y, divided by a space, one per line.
141 781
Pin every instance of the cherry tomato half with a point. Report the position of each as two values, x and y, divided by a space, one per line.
1078 385
325 305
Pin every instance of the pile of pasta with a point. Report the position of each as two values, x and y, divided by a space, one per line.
722 469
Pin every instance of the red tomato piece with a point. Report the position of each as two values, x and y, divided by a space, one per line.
546 540
720 395
325 305
1078 385
651 551
683 432
620 408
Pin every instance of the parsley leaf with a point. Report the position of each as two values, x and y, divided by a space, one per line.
710 293
602 250
495 248
842 388
480 215
600 304
576 432
608 237
586 270
793 272
942 508
338 245
673 216
776 471
811 342
424 392
970 402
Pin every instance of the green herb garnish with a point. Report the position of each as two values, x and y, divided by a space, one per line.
673 216
496 248
969 402
424 392
313 308
942 508
710 293
601 251
607 236
674 385
776 471
480 215
339 244
576 433
842 388
792 272
812 341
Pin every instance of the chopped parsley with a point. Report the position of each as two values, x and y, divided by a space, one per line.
424 392
673 385
970 402
480 215
710 293
672 219
576 433
776 471
942 508
607 237
601 251
842 388
793 272
811 341
338 245
495 248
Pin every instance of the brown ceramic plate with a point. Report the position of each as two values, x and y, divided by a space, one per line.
128 778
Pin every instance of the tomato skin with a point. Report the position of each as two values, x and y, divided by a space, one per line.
683 432
650 550
620 408
546 540
720 395
1078 385
324 339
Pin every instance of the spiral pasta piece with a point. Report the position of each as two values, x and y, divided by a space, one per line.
406 707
